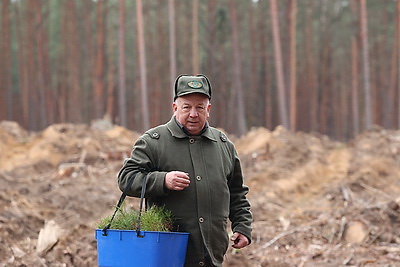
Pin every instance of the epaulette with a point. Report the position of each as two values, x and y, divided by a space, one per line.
223 137
153 134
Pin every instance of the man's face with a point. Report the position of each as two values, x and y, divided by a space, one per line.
192 111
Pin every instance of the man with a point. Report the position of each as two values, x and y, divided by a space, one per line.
194 171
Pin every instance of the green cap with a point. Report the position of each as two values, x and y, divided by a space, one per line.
186 84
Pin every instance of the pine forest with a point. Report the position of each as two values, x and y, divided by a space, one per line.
325 66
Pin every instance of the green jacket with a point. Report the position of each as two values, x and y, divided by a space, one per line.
216 190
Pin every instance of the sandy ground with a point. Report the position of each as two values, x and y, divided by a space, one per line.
316 202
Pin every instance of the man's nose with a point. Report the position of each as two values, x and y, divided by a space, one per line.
193 112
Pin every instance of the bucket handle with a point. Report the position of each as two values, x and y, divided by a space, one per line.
123 196
141 204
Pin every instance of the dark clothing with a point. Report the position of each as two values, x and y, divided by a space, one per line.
216 191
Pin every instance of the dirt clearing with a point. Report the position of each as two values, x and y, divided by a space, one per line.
316 202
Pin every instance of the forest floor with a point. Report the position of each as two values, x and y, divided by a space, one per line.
316 202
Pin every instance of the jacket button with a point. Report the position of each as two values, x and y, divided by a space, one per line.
201 263
198 177
191 140
201 219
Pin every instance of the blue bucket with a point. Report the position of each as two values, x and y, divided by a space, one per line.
120 248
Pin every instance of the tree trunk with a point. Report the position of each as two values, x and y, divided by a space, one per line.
283 116
6 103
110 89
172 44
391 96
265 79
327 97
344 105
312 92
72 59
365 65
398 62
211 45
122 107
354 86
213 48
355 71
142 66
292 59
195 37
99 68
237 80
88 58
157 101
40 40
252 96
30 64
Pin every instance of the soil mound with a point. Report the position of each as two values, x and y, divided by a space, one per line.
316 202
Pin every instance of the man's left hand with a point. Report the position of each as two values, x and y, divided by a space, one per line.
239 240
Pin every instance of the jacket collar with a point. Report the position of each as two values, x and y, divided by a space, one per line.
178 132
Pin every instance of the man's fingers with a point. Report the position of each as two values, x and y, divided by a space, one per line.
177 180
181 184
234 236
182 175
239 240
182 181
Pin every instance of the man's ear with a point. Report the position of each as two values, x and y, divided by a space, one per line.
174 106
208 110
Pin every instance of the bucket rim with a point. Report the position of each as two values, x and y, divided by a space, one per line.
158 232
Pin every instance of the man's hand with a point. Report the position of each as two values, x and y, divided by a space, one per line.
176 180
239 240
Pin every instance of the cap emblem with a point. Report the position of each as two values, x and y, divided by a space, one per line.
195 84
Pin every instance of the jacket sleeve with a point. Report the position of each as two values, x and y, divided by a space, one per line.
239 213
136 167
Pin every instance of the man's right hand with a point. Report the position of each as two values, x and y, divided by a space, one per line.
176 180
